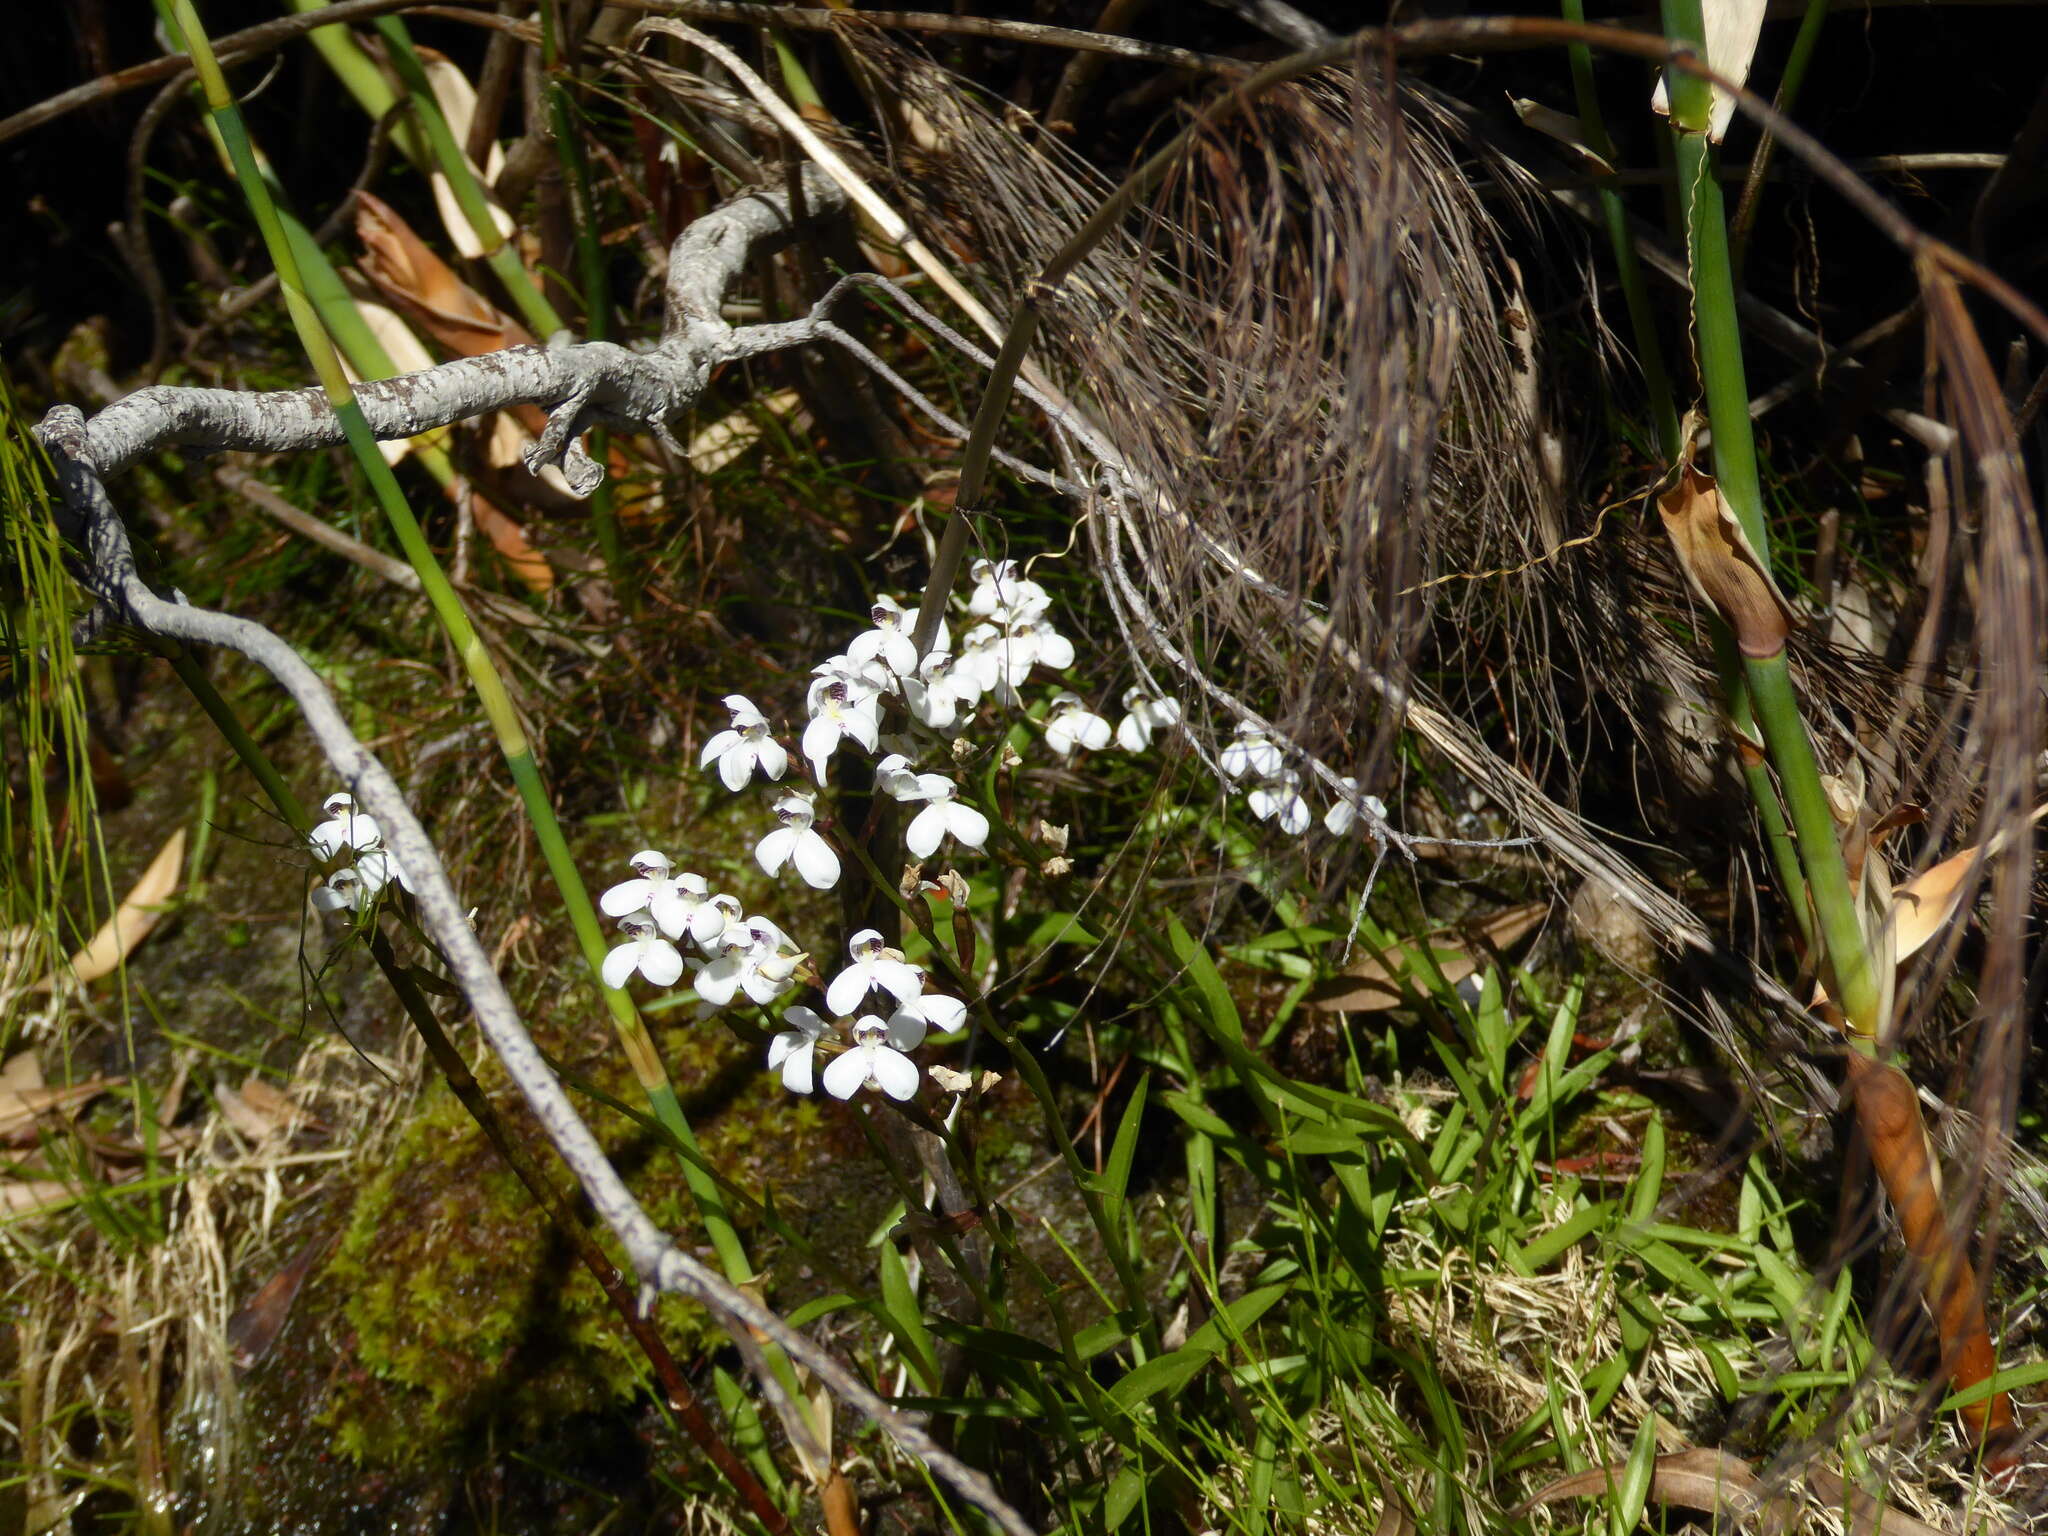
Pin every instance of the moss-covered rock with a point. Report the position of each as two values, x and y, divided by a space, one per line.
470 1314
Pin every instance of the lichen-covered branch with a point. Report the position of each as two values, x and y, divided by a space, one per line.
580 384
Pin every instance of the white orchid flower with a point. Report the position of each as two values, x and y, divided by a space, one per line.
745 747
890 640
1070 724
713 918
944 816
378 867
1034 643
1145 715
796 842
1343 816
1253 751
864 681
895 778
1280 798
836 716
795 1049
980 664
645 951
345 827
670 897
874 965
1000 592
751 959
929 1010
872 1063
939 692
343 892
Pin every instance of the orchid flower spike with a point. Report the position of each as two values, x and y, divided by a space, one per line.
345 827
872 1063
795 1049
745 747
1070 724
944 816
1145 715
1343 815
797 842
874 965
839 712
1253 751
645 951
889 641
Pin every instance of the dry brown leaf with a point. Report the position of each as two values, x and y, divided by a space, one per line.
402 268
1563 127
1379 982
256 1109
26 1197
22 1073
1393 1520
132 920
1702 1479
508 538
1922 906
456 98
1869 1516
1720 565
24 1100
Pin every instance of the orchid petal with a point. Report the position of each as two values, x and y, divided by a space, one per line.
893 1072
845 1073
815 860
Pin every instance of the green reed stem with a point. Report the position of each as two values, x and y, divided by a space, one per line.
641 1055
1718 339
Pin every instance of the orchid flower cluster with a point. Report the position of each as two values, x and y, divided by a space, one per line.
672 922
370 867
877 1008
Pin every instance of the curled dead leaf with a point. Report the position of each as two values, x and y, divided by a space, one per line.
25 1100
1720 565
132 921
1379 982
1704 1479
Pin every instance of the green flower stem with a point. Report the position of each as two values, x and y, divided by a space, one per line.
1636 293
361 77
237 736
1041 1088
1718 336
1717 332
497 705
1763 789
1853 982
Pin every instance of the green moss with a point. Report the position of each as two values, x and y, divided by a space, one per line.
469 1313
